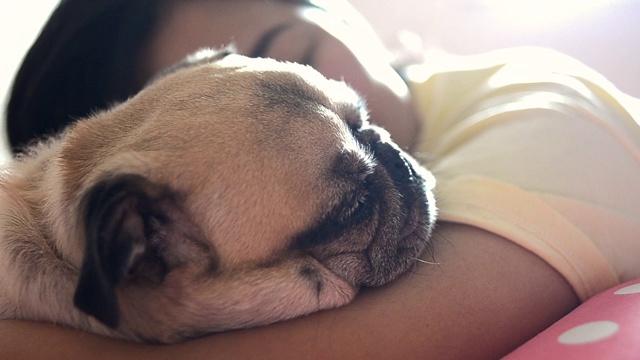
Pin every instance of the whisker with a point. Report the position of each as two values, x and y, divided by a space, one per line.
428 262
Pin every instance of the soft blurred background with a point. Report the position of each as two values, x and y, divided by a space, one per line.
604 34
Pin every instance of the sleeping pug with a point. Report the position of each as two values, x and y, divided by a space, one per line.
232 192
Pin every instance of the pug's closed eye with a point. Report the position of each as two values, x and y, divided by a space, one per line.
356 205
355 169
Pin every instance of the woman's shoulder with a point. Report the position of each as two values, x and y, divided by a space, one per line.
532 143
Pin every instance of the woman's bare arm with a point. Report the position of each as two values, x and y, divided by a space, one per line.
484 298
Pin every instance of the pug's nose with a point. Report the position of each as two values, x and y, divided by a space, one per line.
388 154
396 165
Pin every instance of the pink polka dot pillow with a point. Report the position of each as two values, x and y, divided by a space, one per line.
606 326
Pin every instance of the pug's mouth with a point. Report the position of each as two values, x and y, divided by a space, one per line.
391 228
408 216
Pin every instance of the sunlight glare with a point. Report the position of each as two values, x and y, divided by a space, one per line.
536 13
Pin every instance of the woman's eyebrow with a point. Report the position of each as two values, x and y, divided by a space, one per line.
264 43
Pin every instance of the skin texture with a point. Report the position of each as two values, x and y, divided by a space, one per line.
485 297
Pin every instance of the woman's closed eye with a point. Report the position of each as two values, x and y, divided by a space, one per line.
286 42
265 42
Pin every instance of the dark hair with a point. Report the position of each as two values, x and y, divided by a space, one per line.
81 62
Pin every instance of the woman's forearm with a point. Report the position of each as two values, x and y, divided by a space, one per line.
484 297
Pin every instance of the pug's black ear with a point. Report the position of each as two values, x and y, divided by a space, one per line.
121 214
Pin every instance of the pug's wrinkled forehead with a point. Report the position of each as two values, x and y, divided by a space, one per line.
345 101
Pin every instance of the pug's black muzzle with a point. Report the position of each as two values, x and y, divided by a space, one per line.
401 169
398 224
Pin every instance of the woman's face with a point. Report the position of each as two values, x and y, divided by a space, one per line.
290 32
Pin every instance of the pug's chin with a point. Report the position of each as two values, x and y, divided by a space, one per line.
386 257
372 270
387 261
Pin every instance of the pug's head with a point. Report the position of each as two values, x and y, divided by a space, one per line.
235 192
